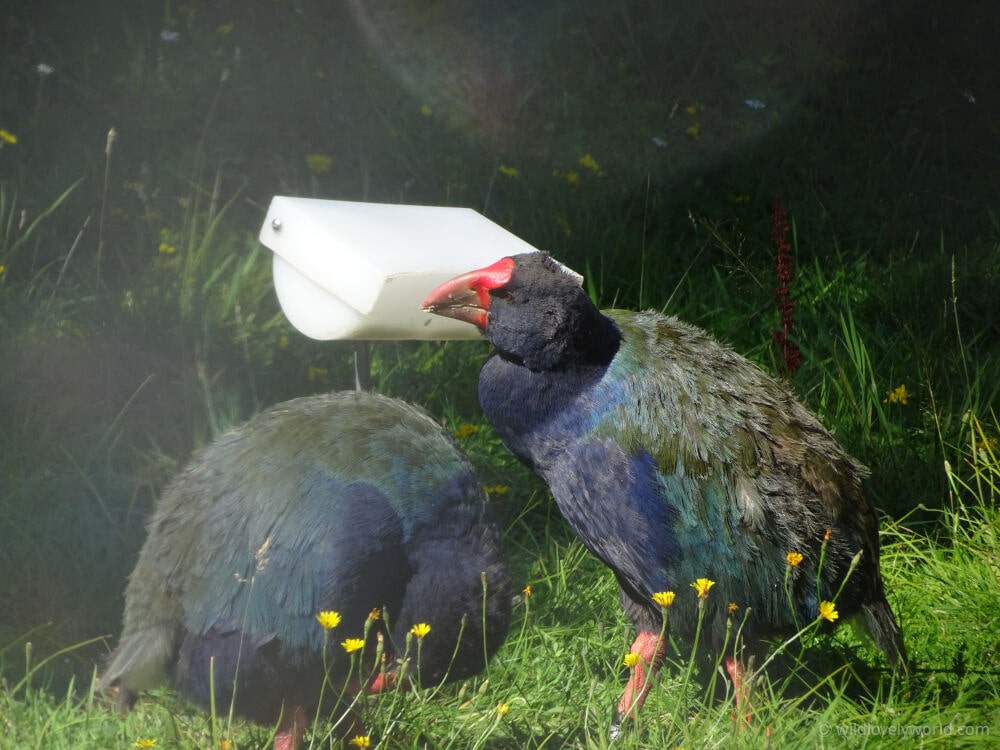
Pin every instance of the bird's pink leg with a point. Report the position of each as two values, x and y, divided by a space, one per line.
650 649
741 688
381 683
291 729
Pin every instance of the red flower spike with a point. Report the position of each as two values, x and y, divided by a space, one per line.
780 230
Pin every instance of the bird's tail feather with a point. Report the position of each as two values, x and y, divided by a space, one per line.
884 630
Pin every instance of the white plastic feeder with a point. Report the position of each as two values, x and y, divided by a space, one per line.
347 270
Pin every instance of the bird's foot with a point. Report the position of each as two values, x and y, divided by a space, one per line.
619 725
291 730
741 677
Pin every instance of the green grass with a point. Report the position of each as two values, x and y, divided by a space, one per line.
560 671
137 318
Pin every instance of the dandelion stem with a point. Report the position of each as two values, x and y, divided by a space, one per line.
788 596
486 649
694 646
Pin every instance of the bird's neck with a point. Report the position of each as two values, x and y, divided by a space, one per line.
536 413
593 338
539 400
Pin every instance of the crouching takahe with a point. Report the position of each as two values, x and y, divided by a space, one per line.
352 505
677 462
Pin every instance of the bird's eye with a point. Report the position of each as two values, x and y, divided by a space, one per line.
503 294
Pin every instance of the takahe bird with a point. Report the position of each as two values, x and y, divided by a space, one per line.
674 459
347 502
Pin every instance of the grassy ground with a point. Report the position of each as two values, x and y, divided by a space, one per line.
137 315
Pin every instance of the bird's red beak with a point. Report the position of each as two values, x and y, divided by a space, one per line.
467 297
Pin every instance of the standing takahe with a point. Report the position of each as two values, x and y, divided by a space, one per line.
674 459
348 502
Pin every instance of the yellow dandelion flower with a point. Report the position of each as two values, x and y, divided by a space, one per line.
353 644
420 629
495 489
225 744
898 395
7 137
224 30
984 444
828 611
589 162
733 608
664 598
630 659
425 110
693 130
526 590
374 614
148 742
794 558
702 585
573 178
465 430
361 740
511 172
328 619
503 709
166 249
319 163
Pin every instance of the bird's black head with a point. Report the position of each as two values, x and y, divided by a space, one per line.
533 310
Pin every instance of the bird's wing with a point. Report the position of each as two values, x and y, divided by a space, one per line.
701 409
272 574
613 501
658 531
